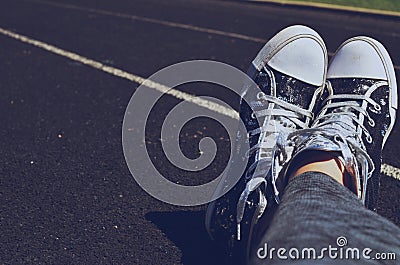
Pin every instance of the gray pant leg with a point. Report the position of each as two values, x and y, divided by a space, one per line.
315 211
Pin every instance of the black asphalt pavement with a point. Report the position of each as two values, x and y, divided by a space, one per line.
66 194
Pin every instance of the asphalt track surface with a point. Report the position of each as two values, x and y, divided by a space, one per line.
67 196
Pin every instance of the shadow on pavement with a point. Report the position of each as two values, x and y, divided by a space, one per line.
186 230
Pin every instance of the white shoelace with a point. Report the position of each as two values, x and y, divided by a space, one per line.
344 126
272 131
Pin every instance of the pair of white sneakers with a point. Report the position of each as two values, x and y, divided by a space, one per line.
348 108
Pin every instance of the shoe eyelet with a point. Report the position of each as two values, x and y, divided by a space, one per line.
375 109
369 139
253 115
336 138
371 123
260 95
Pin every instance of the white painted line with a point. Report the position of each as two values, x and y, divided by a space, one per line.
154 21
120 73
332 7
386 169
162 22
390 171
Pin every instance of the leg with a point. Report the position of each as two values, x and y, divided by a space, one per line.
315 211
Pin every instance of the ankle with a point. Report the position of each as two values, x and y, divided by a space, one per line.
320 161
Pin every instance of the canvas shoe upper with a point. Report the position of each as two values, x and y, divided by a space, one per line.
358 115
290 74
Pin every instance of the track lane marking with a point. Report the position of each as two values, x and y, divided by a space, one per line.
386 169
327 6
123 74
390 171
